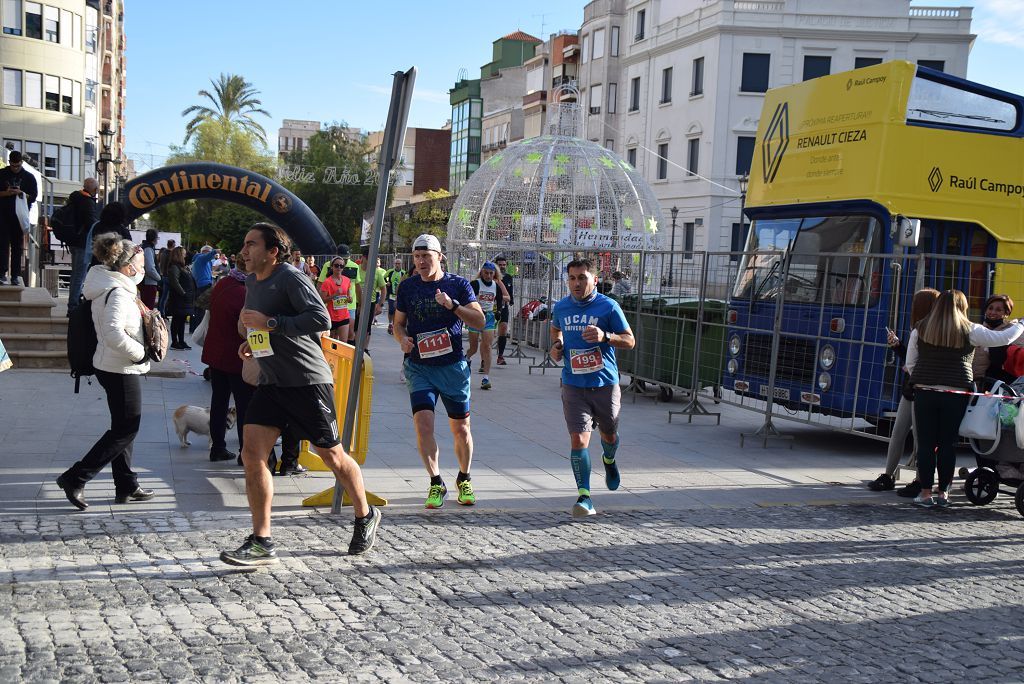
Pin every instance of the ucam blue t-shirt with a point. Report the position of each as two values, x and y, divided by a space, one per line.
588 364
436 331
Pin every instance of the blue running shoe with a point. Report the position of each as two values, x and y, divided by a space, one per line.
583 507
611 475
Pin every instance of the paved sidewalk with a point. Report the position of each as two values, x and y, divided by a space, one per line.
712 562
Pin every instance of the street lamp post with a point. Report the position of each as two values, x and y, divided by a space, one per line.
744 183
104 161
674 211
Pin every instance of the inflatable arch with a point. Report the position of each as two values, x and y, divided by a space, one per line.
207 180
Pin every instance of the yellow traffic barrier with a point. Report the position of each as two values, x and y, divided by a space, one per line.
340 357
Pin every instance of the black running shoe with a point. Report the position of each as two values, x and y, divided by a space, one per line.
910 491
250 554
882 483
364 534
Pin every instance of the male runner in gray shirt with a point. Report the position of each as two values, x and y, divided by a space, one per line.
284 317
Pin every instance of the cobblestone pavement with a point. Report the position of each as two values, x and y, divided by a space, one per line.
858 593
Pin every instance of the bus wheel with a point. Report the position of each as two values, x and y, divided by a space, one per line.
665 394
982 485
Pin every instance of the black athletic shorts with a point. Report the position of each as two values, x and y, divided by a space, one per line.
307 411
503 314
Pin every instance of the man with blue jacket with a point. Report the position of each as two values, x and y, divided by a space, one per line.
202 272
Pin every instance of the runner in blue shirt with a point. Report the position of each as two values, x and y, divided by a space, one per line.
431 307
586 329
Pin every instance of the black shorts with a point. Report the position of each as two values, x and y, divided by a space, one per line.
503 314
307 411
369 321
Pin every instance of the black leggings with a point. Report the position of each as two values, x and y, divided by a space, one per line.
11 242
124 399
178 329
226 385
937 416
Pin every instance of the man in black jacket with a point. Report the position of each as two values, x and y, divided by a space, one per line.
15 182
84 203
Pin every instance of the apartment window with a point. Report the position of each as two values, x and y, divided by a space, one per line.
613 94
12 87
662 161
744 154
65 27
76 33
698 77
76 164
586 49
51 24
64 167
816 66
688 231
641 18
90 96
90 38
937 64
666 85
76 98
692 155
609 144
33 152
50 161
33 20
598 44
12 17
755 72
51 90
634 95
614 47
861 62
596 96
33 90
631 156
739 240
66 101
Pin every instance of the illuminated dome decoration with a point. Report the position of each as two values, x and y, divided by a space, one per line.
556 190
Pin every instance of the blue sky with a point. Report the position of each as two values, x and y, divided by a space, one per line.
332 61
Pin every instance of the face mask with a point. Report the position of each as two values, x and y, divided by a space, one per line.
139 277
994 322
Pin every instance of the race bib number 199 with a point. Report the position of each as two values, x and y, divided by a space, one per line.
583 361
259 343
433 343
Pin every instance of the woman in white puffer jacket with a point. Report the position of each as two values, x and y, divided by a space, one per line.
111 288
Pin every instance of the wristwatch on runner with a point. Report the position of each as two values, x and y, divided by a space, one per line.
455 305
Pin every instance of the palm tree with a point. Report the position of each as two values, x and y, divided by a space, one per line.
234 102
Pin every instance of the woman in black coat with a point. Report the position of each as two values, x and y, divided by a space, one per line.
181 298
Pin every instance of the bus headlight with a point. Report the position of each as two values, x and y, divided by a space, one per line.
732 366
734 345
824 381
827 357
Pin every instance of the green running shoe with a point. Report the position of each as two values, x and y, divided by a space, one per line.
250 554
435 496
466 495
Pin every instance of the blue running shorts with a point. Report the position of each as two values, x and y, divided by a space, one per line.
449 382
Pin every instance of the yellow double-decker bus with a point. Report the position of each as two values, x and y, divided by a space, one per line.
865 186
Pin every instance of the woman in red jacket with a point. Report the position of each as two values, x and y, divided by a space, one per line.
220 353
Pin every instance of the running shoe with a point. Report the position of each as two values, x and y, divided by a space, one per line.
611 475
583 507
943 502
501 361
924 501
250 554
391 329
435 496
364 532
466 495
882 483
485 383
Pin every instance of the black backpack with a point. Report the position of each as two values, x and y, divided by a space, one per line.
64 223
82 340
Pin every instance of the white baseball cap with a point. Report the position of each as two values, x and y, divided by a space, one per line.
427 241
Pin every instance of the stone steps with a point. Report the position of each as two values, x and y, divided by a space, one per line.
39 359
10 293
34 341
33 324
32 336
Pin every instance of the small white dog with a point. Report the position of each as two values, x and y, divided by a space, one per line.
197 419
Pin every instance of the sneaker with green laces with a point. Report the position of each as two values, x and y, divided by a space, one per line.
466 495
435 496
250 554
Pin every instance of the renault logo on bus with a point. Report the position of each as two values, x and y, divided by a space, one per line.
776 140
935 179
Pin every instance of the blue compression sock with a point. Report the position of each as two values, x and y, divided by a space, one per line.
609 450
580 460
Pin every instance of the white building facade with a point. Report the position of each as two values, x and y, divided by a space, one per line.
685 80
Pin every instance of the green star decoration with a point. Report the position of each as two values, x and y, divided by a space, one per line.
628 222
557 221
626 165
464 215
517 216
562 158
495 159
608 162
651 225
493 223
534 158
518 172
586 171
558 170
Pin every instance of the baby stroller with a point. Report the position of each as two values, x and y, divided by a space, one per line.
1000 465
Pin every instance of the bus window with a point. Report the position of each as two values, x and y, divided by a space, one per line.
940 104
840 279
